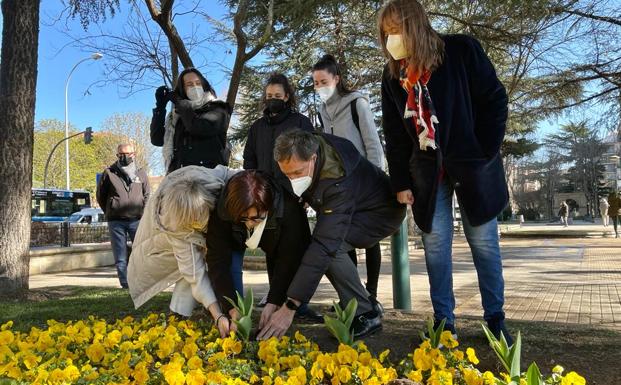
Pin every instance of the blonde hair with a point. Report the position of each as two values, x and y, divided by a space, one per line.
185 203
424 45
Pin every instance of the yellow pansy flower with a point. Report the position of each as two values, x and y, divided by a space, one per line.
363 372
95 352
472 377
344 374
472 357
446 339
415 375
573 378
195 377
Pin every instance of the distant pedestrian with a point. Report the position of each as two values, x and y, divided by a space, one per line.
122 193
603 210
614 211
563 213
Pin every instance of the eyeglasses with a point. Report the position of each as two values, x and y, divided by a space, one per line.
257 218
124 153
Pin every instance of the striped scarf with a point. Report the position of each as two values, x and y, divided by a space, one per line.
419 106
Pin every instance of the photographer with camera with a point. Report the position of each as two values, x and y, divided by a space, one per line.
194 131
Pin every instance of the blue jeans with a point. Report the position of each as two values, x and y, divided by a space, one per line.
483 241
237 264
120 233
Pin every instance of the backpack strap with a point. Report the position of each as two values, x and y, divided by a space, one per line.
354 114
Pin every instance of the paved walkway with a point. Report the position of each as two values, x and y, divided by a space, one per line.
555 280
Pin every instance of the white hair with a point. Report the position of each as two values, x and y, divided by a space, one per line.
185 203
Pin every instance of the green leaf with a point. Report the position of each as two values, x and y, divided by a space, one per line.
533 375
499 348
249 301
338 310
435 337
515 355
350 312
339 330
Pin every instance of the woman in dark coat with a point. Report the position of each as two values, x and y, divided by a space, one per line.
255 211
194 131
280 114
444 114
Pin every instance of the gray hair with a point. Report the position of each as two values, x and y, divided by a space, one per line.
120 146
185 202
295 142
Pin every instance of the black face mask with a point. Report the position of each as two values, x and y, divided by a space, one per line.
275 106
125 160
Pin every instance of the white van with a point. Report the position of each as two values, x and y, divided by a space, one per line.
88 216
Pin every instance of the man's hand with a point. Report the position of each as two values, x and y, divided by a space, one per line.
278 324
267 312
405 197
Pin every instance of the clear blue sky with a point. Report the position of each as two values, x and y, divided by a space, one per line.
56 60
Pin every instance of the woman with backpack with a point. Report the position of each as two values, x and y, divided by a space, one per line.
347 113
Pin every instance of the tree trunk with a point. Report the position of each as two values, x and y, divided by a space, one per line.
18 78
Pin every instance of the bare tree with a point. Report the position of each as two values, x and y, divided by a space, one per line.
18 79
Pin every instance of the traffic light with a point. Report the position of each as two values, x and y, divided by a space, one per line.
88 135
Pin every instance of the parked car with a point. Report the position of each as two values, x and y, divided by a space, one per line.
88 215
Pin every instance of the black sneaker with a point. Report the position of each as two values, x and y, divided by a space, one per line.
306 313
497 326
366 324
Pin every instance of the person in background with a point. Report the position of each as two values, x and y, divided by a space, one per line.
563 213
444 116
194 131
279 115
614 211
347 113
603 210
122 193
170 245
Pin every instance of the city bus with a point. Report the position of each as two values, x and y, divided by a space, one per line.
56 205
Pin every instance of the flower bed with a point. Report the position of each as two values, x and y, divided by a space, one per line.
161 350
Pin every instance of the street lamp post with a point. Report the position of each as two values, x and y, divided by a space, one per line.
95 56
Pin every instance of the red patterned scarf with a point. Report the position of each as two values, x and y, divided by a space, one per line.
419 106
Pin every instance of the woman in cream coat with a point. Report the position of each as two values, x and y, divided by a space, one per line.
169 247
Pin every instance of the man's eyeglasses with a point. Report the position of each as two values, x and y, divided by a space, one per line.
257 218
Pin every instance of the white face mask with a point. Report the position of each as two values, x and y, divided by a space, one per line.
301 184
253 242
195 93
396 47
325 93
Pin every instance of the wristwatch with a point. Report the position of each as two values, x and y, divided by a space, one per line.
291 305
